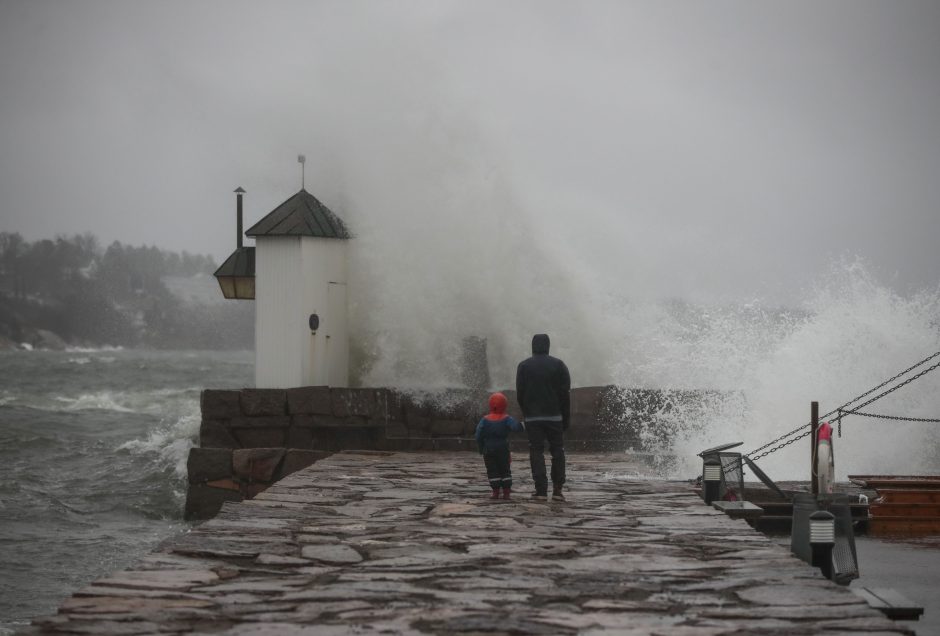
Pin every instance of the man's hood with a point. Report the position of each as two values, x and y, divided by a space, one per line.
540 344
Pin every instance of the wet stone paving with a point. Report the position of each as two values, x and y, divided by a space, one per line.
410 543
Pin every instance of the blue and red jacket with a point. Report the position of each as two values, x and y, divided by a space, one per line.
494 428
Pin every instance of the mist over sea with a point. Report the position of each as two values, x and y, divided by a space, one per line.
93 447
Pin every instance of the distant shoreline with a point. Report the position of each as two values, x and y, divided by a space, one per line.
72 292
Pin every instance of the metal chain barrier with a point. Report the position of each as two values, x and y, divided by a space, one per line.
782 437
895 388
885 383
842 410
776 448
894 417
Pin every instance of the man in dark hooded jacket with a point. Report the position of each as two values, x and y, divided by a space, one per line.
542 389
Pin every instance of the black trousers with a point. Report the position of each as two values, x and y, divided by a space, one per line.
539 433
498 469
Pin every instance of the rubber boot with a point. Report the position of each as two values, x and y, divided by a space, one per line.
506 492
495 494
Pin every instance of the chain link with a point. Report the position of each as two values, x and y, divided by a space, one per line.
776 448
782 437
893 417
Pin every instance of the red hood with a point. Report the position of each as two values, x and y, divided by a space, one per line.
498 405
824 432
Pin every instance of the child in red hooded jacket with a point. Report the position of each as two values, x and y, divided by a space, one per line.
492 437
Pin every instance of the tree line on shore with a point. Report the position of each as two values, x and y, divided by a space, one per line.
72 291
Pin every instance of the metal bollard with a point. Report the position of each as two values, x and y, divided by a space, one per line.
822 537
711 479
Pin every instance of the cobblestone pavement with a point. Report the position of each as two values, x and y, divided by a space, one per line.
410 543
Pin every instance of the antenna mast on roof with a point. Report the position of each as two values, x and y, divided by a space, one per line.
301 159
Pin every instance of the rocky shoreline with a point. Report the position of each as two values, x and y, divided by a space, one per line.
40 339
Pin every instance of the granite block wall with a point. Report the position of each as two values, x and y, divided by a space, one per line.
250 438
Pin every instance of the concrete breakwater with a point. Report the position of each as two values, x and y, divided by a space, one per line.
251 438
409 543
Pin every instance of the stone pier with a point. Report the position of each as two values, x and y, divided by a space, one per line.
409 543
251 438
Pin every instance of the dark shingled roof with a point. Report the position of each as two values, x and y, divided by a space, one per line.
300 215
241 263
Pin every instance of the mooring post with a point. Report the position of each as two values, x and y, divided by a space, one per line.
814 420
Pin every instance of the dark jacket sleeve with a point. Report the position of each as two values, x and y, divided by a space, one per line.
564 395
479 436
520 387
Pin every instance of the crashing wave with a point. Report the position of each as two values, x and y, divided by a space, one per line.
101 349
169 445
101 401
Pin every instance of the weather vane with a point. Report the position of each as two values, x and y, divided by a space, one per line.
301 159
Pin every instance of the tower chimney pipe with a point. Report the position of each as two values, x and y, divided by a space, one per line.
239 192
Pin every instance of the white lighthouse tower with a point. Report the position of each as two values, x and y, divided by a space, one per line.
296 273
301 336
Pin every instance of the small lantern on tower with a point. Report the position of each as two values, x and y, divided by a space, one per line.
236 275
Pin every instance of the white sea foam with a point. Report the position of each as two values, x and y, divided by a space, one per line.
169 444
101 401
151 402
765 364
851 334
80 361
175 392
104 348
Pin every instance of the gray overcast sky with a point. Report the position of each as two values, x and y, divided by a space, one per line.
681 148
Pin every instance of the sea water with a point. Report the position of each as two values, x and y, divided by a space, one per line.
93 447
